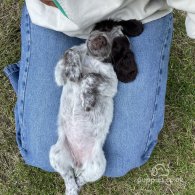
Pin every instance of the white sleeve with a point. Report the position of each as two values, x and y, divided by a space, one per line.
189 7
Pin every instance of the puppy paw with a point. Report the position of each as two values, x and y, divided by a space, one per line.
80 182
88 100
89 90
72 65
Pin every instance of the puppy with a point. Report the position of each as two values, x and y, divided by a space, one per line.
121 56
89 84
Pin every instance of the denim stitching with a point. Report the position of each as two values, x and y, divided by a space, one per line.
25 76
158 86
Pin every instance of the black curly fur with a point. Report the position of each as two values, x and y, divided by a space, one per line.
130 27
123 60
121 56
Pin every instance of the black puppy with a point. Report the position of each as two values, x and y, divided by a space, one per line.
121 56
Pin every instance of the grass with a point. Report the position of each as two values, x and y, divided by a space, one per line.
174 153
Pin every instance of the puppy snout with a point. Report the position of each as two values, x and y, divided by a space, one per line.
98 42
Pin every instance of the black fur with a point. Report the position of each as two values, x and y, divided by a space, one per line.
105 26
123 60
130 27
121 56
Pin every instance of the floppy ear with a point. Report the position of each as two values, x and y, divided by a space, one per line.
105 25
131 27
123 60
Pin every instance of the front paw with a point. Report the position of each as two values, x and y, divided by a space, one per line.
88 100
72 65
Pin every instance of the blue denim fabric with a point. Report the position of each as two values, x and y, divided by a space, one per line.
139 105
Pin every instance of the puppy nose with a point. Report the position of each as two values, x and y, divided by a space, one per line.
99 42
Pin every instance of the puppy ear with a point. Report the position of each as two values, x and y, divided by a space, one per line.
126 68
123 60
131 27
105 25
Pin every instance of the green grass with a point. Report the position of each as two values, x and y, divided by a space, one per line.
175 150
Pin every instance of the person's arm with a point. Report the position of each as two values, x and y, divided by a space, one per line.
189 7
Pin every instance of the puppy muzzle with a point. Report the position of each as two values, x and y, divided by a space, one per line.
98 42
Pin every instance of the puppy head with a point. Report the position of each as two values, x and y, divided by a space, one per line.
118 52
99 43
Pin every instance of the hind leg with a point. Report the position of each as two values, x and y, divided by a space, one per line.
93 170
61 161
71 185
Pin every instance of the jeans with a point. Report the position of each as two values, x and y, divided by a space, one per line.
138 106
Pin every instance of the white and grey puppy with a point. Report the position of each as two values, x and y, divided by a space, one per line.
86 110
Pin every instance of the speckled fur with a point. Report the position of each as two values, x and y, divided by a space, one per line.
85 113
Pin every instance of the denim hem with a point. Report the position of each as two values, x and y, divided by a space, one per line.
151 142
10 69
12 73
125 171
29 162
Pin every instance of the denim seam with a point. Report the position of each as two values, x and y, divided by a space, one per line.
158 85
25 78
